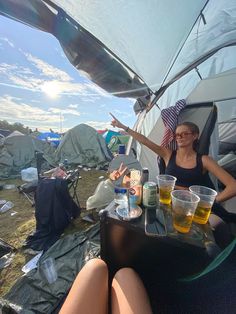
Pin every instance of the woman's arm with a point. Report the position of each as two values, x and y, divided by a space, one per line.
159 150
223 176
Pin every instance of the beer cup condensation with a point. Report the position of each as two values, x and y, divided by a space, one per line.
207 197
184 204
166 184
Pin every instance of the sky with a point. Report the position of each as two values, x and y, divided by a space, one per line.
41 89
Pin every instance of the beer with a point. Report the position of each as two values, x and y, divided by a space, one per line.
202 213
164 194
150 194
182 222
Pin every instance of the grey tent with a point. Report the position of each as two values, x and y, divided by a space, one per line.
83 145
18 152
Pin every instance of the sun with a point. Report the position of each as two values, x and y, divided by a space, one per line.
52 89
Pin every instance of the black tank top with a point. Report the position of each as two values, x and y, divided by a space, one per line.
187 177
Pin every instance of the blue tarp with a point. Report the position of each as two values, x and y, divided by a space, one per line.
50 137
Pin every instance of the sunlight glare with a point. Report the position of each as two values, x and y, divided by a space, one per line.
51 89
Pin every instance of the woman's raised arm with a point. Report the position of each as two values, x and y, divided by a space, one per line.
159 150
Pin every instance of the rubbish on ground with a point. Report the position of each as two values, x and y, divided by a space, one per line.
2 202
101 177
29 174
13 213
6 260
31 263
8 205
9 186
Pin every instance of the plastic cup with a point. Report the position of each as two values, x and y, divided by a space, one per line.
184 204
166 184
49 270
207 197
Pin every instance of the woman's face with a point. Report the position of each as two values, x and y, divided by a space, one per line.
184 136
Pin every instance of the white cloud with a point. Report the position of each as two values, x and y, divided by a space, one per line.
123 114
64 111
19 111
47 69
99 125
73 106
7 41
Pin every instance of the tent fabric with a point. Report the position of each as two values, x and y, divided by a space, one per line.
18 152
135 46
32 294
83 145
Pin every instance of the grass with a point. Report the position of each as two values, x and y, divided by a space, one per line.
14 229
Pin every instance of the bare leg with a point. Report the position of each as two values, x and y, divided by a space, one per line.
129 294
89 292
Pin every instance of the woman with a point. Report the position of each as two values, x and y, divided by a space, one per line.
191 168
89 292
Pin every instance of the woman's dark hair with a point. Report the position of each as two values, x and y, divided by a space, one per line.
195 130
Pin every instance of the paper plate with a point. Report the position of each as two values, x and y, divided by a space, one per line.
133 214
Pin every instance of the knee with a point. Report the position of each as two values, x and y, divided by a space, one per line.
96 264
124 274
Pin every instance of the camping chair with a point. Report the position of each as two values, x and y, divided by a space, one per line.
29 189
206 128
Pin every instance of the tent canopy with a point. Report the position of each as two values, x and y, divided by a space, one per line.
142 47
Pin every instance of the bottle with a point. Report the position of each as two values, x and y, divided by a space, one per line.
121 196
121 150
8 205
135 185
65 163
144 176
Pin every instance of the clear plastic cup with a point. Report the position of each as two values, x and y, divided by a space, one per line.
184 204
166 184
207 197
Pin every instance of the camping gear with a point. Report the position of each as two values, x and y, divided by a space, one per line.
54 210
82 145
70 254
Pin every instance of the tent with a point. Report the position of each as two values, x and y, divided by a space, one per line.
52 138
108 135
18 152
83 145
168 50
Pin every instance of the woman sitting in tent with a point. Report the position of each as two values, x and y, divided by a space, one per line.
189 167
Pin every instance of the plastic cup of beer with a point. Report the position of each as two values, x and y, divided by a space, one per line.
207 197
184 204
166 184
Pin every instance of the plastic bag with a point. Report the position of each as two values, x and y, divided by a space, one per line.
29 174
103 195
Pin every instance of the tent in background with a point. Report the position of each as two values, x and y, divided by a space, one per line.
18 152
83 145
108 135
52 138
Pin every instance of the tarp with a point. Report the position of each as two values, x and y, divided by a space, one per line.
84 146
32 294
50 137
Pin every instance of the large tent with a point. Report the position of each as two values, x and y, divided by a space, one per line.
85 146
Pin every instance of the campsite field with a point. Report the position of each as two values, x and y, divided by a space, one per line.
16 224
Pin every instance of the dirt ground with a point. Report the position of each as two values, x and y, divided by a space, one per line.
17 223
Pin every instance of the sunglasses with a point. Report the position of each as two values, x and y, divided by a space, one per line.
182 134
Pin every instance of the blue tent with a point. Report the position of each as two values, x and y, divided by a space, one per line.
108 135
52 138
